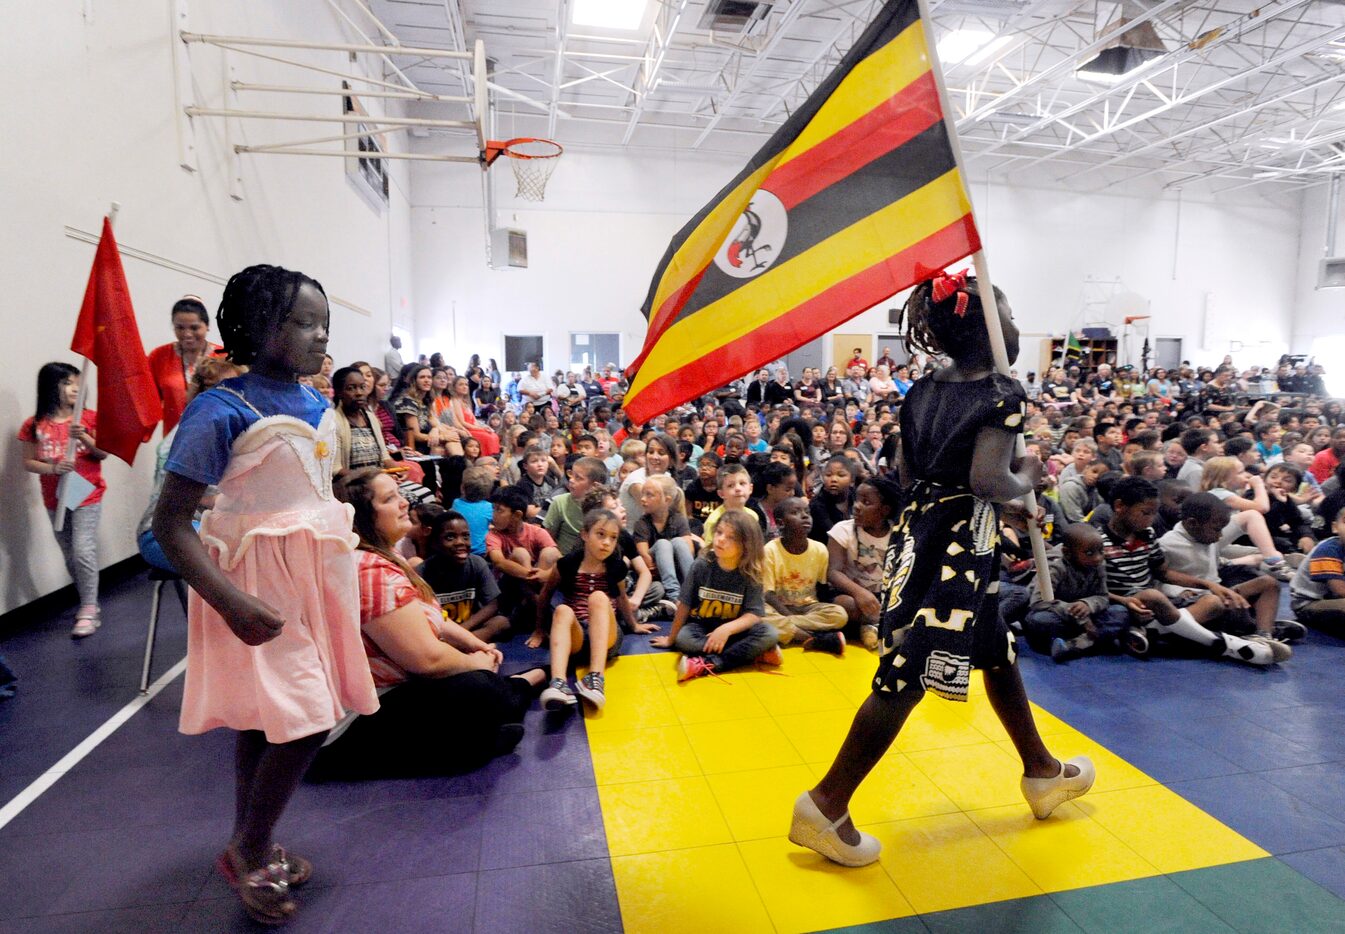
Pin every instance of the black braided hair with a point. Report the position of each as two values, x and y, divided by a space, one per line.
934 328
256 303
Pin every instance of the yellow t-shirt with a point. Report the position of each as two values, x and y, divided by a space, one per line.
794 578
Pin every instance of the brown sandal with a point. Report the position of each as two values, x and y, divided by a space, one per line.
297 869
264 892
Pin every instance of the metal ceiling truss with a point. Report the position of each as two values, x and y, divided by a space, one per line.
1245 91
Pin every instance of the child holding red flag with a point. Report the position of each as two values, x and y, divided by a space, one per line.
46 438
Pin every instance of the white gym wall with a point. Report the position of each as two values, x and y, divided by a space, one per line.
608 216
94 123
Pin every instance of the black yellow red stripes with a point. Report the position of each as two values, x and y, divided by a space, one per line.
874 201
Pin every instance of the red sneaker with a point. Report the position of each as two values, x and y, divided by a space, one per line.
693 666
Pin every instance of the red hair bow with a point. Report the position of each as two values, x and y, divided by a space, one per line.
946 286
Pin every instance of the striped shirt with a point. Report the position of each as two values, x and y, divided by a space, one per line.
384 589
1132 564
1326 563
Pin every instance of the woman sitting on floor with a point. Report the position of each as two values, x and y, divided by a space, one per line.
443 706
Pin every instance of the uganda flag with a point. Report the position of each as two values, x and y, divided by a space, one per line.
855 198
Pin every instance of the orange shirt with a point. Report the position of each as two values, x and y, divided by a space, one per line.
170 376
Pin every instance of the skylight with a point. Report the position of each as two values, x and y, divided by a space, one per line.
609 14
971 46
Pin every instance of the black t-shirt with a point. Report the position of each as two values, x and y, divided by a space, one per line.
715 595
626 545
826 511
487 396
1285 521
777 392
1213 395
700 502
940 421
675 527
1057 391
461 589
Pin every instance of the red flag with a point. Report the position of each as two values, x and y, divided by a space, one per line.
128 401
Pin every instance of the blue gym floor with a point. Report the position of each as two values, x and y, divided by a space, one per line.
124 840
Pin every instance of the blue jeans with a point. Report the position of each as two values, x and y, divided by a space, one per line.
741 649
1013 601
1042 626
672 562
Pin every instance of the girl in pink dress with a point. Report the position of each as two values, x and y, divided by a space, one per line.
273 648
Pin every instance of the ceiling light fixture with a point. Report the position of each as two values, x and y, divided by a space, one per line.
970 46
609 14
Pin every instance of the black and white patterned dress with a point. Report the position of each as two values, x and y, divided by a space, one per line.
940 614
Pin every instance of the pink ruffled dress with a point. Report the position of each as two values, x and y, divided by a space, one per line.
278 533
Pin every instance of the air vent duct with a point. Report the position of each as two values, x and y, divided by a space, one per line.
738 16
1131 50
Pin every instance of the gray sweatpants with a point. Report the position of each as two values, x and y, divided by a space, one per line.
79 546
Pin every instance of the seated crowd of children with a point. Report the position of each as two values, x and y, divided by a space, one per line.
749 526
755 520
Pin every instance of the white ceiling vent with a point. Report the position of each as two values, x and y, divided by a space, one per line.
734 15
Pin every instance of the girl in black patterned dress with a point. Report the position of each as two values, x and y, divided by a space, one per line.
940 614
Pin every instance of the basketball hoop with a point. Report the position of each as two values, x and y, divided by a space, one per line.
533 161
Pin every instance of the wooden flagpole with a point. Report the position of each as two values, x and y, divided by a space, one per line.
989 304
84 373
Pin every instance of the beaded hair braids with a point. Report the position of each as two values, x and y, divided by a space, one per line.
943 315
256 303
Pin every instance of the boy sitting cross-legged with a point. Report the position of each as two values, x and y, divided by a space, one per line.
462 582
1081 619
793 568
521 553
1193 547
1136 567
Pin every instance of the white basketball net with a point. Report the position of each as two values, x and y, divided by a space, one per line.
533 162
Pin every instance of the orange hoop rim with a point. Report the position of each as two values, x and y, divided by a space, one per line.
496 148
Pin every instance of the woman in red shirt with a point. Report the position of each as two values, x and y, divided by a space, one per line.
46 437
173 365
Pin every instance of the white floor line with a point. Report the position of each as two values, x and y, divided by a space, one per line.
15 805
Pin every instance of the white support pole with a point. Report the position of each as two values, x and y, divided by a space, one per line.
481 95
341 92
322 46
183 91
317 69
347 154
77 418
316 140
365 119
989 305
